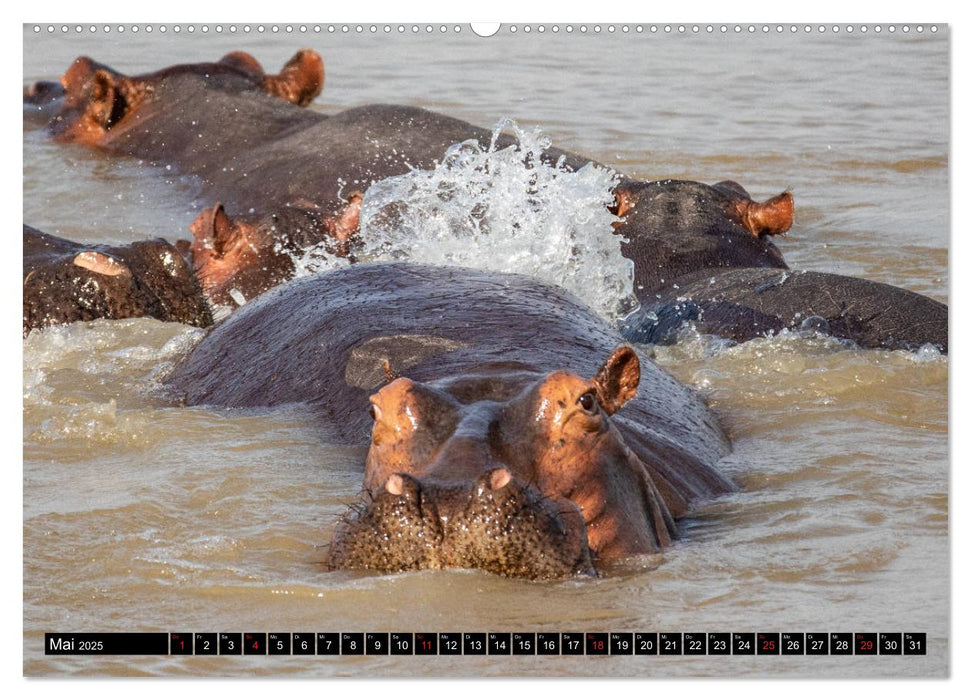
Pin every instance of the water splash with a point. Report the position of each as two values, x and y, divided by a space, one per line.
316 259
501 209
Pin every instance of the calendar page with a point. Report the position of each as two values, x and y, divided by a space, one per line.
450 350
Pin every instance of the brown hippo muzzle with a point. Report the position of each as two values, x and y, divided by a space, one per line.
498 524
507 471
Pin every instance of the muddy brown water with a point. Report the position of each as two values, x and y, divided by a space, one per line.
143 516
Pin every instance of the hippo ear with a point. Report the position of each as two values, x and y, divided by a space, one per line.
624 200
731 187
300 80
42 92
769 218
94 88
617 380
346 223
101 263
214 229
78 74
244 63
104 106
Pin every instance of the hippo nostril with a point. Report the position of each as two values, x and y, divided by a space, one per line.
492 480
395 484
499 478
403 484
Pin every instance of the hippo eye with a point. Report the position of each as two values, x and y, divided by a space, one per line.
588 402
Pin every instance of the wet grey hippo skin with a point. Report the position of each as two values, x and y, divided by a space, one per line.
42 101
745 303
510 428
693 265
66 281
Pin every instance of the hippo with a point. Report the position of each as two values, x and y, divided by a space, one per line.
694 265
42 101
42 92
283 179
66 281
745 303
104 108
510 429
673 228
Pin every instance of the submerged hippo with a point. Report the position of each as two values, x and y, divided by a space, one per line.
101 106
674 228
66 281
510 428
745 303
728 282
42 100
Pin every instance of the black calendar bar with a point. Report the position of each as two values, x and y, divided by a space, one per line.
764 644
105 643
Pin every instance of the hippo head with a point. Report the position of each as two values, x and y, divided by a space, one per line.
97 98
93 101
675 228
66 282
504 470
237 259
42 100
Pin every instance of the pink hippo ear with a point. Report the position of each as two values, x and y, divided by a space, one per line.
769 218
624 200
300 80
92 89
617 380
103 99
101 263
346 223
733 188
772 217
214 230
244 63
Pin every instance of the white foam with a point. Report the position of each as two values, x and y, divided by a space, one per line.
502 210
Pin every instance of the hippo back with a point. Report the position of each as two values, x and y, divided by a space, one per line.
184 121
747 303
322 160
324 341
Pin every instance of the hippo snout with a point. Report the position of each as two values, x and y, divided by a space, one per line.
496 523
